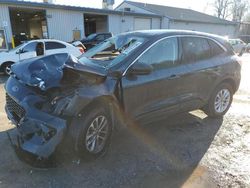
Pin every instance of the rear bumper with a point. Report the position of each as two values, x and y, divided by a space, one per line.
37 132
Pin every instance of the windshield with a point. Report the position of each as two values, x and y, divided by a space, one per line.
113 50
18 47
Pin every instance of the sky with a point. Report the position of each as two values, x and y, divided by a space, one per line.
199 5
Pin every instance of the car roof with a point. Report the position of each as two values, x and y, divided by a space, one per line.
103 33
234 39
47 40
169 32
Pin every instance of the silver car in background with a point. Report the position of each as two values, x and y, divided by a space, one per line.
238 45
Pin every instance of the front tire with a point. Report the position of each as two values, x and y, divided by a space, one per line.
93 132
220 101
6 68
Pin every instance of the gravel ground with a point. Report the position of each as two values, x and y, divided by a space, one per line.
188 150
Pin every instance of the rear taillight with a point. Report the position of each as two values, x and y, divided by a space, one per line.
82 50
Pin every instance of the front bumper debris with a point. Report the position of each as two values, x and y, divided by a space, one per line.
37 132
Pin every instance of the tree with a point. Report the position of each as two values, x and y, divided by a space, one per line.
239 9
222 8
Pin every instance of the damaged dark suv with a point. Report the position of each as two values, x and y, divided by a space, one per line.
142 76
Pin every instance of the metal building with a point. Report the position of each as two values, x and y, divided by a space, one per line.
181 18
21 20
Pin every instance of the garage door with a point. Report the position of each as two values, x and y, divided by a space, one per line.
142 24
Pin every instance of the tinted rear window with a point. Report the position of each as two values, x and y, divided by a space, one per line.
54 45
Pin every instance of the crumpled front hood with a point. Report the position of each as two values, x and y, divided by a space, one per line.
47 72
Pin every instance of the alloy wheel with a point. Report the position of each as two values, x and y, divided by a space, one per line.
222 100
97 134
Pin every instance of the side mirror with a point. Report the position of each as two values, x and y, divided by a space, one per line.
19 51
140 69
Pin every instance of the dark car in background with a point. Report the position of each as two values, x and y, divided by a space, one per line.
147 76
245 38
94 39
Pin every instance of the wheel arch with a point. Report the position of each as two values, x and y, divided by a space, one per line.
111 104
231 82
4 63
106 100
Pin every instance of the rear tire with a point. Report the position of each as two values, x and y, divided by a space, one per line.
93 133
220 101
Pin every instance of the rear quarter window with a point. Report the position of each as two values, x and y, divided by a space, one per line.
216 50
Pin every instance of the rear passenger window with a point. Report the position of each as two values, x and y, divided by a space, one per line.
162 55
216 50
54 45
194 49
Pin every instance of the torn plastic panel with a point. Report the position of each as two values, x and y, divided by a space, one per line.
39 133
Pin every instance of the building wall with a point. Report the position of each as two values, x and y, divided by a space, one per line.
114 24
61 24
219 29
5 21
127 23
156 23
165 23
120 24
132 8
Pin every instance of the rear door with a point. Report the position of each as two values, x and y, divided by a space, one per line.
202 69
158 93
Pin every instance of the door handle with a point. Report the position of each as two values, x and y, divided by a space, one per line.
173 76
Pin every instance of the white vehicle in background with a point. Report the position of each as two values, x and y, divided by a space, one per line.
33 49
238 45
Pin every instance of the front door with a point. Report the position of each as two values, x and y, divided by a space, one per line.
158 92
28 51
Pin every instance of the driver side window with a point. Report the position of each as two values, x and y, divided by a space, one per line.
31 47
162 55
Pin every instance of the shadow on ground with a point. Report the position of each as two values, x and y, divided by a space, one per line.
162 154
3 78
